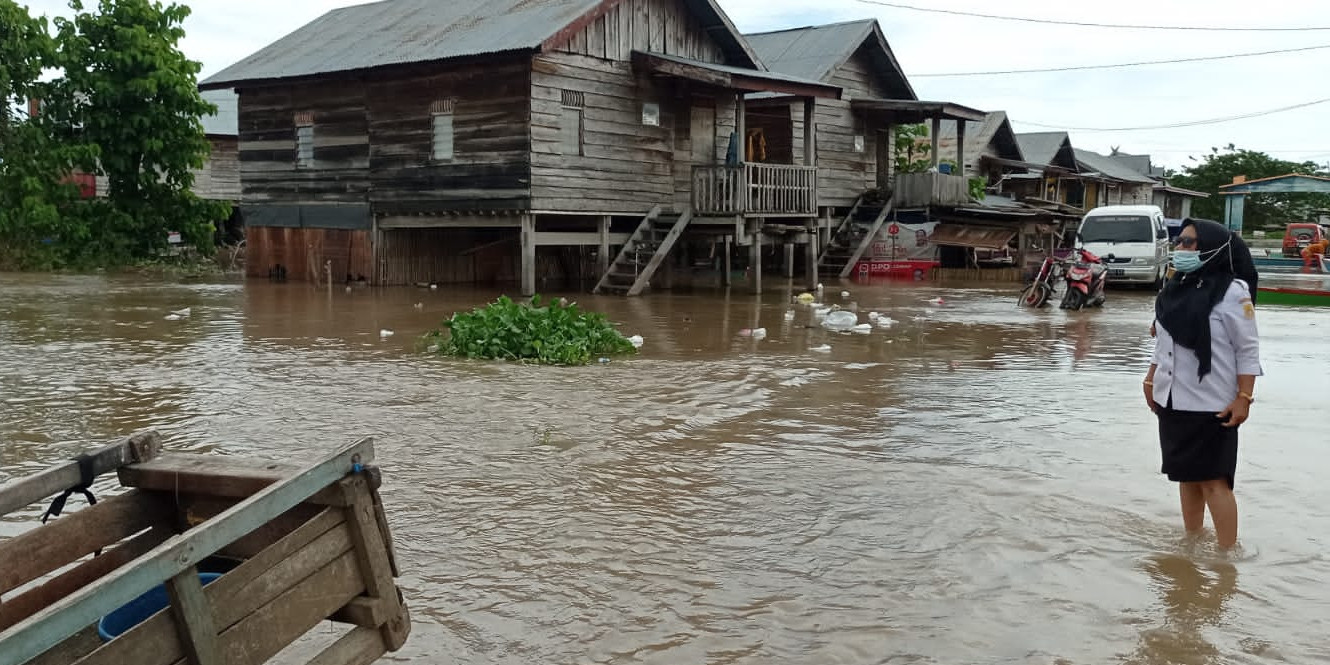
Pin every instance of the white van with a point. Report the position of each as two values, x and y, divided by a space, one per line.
1137 238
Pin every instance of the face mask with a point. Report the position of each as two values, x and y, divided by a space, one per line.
1187 260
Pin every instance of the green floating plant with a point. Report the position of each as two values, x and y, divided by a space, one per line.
550 334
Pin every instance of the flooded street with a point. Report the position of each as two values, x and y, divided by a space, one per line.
976 484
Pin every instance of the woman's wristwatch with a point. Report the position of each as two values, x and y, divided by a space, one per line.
1249 398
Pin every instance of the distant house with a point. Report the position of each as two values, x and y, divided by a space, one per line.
1054 174
408 141
1119 183
853 133
991 150
1174 201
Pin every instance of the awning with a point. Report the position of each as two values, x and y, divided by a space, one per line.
909 111
733 78
972 236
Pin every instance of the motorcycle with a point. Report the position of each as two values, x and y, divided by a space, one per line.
1086 276
1038 292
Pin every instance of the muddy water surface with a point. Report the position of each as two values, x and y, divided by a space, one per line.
977 484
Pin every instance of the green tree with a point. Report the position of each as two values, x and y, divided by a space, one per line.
1261 210
130 93
33 200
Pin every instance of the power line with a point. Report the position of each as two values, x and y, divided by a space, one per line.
1083 24
1125 64
1178 125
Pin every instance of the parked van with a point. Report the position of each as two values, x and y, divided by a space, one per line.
1137 238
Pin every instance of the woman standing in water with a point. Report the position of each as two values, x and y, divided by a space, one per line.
1203 373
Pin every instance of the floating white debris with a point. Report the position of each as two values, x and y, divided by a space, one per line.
938 301
434 287
419 305
636 341
432 348
840 320
825 348
862 328
755 333
789 315
182 313
385 333
819 287
883 321
873 316
348 288
845 294
173 317
820 311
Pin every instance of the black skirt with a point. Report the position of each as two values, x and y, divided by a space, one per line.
1196 446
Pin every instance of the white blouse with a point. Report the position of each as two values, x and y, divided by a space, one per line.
1234 350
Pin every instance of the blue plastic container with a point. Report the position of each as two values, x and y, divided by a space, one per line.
944 169
139 610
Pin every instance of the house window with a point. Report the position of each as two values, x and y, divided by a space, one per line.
651 114
441 142
304 140
571 123
858 142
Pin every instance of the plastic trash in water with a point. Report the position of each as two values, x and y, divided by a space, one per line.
419 305
824 348
938 301
840 320
434 287
805 298
602 360
884 321
819 287
789 315
636 341
173 317
820 311
845 294
385 333
755 333
178 314
873 316
432 348
862 328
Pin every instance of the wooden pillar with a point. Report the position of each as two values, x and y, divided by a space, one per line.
725 264
789 259
810 255
810 132
937 129
603 259
960 147
740 127
755 252
528 255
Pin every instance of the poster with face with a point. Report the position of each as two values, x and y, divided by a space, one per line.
898 241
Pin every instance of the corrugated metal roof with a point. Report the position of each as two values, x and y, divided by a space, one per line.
991 136
815 52
1108 167
395 32
1041 147
971 236
226 122
744 71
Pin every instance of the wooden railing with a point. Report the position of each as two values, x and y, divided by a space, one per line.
755 189
917 190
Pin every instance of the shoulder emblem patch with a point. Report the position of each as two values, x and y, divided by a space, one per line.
1248 309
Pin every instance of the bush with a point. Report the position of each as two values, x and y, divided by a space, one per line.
553 334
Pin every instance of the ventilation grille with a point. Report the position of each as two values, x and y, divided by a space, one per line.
573 98
443 106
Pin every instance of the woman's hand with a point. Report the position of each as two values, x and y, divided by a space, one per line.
1236 413
1150 396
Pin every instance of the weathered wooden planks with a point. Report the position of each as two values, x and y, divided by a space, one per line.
844 172
50 546
49 627
350 251
662 26
30 489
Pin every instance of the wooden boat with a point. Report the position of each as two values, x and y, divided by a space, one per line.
282 549
1287 295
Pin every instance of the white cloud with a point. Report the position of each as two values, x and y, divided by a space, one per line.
223 31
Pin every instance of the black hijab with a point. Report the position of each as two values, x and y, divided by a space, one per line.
1183 306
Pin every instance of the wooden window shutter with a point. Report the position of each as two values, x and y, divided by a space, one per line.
571 123
442 138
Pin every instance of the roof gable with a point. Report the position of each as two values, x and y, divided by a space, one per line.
1109 167
817 52
1048 149
399 32
993 136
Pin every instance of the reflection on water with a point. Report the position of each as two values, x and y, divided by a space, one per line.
976 483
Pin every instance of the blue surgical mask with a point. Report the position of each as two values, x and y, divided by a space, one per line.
1187 260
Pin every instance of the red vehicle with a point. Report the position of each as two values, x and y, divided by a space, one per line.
1084 274
1297 236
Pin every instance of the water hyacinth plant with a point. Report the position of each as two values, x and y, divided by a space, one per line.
550 334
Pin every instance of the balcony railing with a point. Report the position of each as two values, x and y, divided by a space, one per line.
918 190
755 190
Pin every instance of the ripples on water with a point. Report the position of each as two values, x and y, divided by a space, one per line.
979 483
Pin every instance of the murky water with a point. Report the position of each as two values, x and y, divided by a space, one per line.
977 484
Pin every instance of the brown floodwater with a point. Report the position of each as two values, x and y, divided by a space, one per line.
976 484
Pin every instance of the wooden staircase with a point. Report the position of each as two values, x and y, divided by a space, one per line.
852 237
642 254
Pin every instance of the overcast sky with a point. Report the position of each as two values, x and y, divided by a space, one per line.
223 31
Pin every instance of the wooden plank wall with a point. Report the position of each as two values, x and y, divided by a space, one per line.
626 167
658 26
295 248
844 174
219 179
449 256
491 165
340 172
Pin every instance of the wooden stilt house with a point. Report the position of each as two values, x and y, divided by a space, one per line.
478 140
